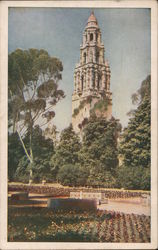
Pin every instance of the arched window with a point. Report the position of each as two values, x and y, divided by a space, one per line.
97 57
82 79
96 36
93 80
99 81
91 56
91 37
84 57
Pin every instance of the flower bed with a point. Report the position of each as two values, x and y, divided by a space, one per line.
42 224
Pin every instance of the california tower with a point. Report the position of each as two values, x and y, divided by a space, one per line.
91 79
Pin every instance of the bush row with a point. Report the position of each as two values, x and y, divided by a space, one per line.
57 192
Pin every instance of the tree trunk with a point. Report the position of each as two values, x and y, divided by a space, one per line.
26 152
31 155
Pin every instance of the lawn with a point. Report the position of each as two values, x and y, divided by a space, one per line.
37 224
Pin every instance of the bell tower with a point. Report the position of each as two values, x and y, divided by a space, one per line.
91 78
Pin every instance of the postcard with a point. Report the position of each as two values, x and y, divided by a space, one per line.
78 124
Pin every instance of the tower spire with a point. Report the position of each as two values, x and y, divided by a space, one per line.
92 21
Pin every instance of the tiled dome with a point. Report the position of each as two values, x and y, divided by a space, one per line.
92 21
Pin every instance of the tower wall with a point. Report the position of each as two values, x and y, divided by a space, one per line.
84 112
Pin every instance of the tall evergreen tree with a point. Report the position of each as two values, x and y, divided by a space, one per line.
135 142
67 150
99 153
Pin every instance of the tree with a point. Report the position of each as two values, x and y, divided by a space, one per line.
33 78
43 149
15 152
72 175
66 151
135 142
99 153
52 133
133 177
100 177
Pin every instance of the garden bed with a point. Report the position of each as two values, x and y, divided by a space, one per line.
42 224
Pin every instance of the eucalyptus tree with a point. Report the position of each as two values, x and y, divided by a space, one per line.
33 82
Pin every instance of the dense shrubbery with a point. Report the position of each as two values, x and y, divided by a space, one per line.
15 153
134 178
43 224
72 175
43 149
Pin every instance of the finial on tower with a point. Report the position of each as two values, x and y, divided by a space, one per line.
92 19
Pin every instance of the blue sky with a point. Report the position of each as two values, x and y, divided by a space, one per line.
125 34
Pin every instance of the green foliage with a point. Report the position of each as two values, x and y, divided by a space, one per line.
71 175
67 150
135 143
134 178
81 106
99 177
33 77
99 154
142 91
43 150
76 111
15 152
23 168
101 105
